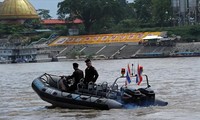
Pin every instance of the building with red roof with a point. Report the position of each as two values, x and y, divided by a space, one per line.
60 22
73 29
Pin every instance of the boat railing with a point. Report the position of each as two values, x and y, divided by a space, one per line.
92 90
52 80
113 86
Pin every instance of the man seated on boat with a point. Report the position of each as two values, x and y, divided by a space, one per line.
76 76
91 73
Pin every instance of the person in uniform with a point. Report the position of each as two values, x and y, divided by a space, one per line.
76 76
91 73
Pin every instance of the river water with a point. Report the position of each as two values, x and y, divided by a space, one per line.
175 80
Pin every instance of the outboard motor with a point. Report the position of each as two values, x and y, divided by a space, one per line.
150 94
132 95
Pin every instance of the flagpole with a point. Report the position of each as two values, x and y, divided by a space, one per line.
132 70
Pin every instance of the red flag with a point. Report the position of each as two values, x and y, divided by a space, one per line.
139 74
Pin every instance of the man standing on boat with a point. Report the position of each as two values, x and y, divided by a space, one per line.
91 73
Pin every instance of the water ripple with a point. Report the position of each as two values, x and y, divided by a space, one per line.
175 80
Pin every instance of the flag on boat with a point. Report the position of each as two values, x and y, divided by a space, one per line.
128 75
139 74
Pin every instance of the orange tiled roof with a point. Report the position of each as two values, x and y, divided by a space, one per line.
57 21
77 21
53 21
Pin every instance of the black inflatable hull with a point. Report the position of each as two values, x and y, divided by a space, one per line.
46 88
73 101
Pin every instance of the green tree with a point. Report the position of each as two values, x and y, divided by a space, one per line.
143 9
32 23
161 11
44 14
91 11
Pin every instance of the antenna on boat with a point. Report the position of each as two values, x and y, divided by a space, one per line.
132 70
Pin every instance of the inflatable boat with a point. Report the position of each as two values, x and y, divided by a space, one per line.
95 96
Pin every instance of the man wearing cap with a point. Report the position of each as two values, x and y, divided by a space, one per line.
91 73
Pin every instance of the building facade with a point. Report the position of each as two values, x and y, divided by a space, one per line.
186 12
10 53
16 12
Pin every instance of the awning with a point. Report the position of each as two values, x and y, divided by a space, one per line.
152 37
